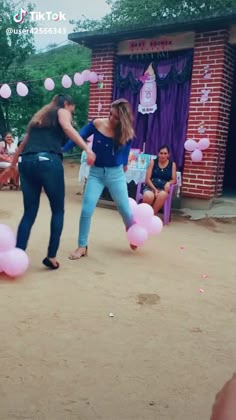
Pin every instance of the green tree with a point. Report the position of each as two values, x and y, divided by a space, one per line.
132 13
15 48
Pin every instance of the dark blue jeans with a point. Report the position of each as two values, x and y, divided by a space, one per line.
37 171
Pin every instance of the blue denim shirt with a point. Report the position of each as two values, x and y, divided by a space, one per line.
108 154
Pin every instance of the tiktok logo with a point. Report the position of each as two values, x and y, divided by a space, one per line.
19 16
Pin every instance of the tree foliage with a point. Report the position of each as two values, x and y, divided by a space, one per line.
14 51
20 63
131 13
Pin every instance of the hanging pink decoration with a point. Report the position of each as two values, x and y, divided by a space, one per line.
5 91
78 79
196 155
22 89
190 145
203 144
93 77
86 74
49 84
66 81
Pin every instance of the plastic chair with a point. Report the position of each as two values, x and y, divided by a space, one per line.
167 204
11 184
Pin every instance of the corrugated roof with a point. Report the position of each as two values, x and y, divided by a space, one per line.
92 38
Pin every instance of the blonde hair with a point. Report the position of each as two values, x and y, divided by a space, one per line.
47 116
125 129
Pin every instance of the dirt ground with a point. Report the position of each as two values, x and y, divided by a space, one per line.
164 354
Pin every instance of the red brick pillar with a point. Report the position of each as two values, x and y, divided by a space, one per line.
204 179
103 62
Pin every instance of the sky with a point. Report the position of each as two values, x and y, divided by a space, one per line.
72 9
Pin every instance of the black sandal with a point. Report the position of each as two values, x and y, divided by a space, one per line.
49 264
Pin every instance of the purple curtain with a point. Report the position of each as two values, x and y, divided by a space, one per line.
168 124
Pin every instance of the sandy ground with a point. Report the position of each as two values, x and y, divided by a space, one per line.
164 354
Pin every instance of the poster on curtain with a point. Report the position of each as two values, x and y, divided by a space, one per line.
148 92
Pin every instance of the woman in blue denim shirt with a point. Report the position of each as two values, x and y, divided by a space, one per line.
111 145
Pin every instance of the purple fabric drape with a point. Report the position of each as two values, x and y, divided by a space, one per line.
168 124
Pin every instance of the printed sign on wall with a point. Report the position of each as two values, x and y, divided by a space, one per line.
172 42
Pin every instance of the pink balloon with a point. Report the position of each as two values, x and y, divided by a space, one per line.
1 258
7 238
15 262
66 81
190 145
132 204
196 156
93 77
86 74
155 226
137 235
5 91
22 89
143 213
203 144
49 84
78 79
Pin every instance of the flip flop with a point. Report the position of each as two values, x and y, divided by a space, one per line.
49 264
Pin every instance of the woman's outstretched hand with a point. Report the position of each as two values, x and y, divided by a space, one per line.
8 173
224 407
91 157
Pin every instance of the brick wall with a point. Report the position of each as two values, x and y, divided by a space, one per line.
205 179
103 62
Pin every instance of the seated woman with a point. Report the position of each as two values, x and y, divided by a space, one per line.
161 173
7 150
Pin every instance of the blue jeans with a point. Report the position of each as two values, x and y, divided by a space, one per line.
37 171
112 178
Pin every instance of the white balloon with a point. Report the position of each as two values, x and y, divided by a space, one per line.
78 79
22 89
66 81
196 155
5 91
203 144
49 84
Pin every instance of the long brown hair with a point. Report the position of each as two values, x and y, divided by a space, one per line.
47 116
125 128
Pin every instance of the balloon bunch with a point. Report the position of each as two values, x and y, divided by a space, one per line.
79 79
49 84
196 148
13 261
145 223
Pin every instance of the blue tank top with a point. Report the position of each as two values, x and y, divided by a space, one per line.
163 174
46 139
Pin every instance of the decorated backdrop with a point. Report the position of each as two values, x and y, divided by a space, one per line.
158 90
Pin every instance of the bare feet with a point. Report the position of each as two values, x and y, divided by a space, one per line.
78 253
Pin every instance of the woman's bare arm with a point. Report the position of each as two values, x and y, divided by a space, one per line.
19 150
148 180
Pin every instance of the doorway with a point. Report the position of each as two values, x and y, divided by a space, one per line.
229 186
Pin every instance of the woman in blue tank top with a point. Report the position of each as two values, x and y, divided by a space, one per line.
161 173
111 144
